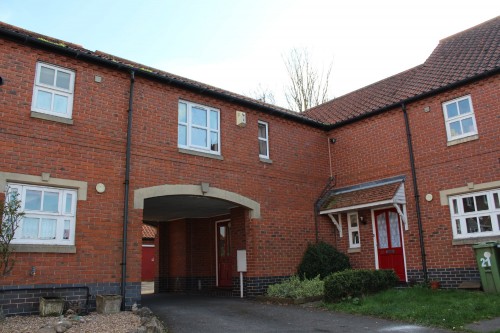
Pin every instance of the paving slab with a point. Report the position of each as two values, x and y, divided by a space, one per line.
485 326
189 313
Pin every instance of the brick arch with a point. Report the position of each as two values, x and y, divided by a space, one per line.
211 192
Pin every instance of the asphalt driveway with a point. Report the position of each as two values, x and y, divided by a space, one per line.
188 313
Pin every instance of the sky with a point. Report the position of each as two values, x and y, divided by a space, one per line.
239 45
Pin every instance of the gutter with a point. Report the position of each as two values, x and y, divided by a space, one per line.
415 193
90 56
127 190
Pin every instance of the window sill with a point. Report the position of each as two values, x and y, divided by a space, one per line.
266 160
42 248
354 250
44 116
199 153
475 240
462 140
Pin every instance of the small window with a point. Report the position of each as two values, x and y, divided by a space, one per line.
353 226
49 215
475 214
459 118
198 128
263 139
53 90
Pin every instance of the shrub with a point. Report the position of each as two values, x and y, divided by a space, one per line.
10 216
322 259
352 283
295 288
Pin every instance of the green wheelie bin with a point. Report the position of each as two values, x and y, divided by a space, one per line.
488 263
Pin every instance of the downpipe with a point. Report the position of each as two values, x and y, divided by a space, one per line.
126 194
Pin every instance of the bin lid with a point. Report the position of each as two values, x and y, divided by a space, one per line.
485 244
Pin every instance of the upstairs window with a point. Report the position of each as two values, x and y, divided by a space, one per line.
53 90
50 215
353 226
459 118
263 140
475 214
199 128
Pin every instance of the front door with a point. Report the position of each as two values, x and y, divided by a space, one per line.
148 263
389 241
224 254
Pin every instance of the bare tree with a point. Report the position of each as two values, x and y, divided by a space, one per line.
10 216
263 94
307 87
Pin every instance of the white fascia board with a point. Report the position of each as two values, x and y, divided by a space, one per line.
357 207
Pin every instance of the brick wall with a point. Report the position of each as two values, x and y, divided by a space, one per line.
93 150
376 148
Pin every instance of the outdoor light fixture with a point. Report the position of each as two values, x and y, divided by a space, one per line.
205 187
362 220
1 81
333 140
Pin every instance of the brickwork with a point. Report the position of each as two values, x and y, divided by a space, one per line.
93 150
24 299
448 277
376 148
255 286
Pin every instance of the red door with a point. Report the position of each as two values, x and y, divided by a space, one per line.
389 241
224 255
148 263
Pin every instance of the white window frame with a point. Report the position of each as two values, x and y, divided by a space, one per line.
459 216
61 216
266 139
351 230
459 117
53 90
189 126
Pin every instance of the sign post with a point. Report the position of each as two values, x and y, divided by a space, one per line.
241 263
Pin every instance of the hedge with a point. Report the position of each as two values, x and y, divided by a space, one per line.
296 288
358 282
321 259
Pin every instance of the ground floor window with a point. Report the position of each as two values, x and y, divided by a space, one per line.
50 215
353 227
475 214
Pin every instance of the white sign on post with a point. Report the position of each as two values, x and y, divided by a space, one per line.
241 260
241 264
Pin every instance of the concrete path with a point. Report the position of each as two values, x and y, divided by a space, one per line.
485 326
188 313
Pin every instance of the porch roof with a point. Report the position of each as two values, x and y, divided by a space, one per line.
376 193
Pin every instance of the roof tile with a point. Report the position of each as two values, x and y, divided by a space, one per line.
458 57
361 196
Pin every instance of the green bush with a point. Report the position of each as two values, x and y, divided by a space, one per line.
352 283
322 259
295 288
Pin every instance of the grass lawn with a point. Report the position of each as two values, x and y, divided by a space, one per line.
452 309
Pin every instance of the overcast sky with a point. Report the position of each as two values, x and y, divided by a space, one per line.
239 44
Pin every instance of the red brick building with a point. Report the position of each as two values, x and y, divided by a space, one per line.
96 146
